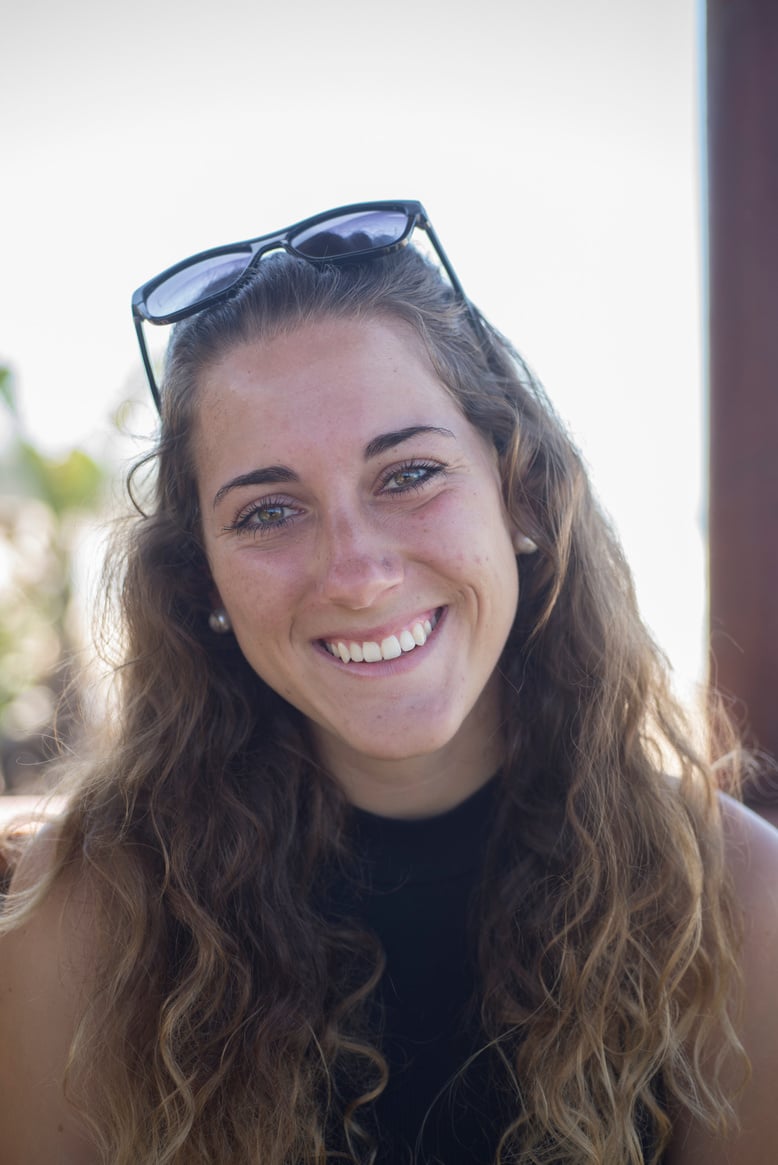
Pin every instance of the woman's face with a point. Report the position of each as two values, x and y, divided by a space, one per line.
357 537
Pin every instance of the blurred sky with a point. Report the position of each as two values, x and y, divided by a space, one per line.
554 144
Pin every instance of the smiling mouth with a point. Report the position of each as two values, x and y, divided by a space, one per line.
369 651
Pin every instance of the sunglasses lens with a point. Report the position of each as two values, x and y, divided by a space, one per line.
196 283
351 234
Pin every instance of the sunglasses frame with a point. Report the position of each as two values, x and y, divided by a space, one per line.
416 216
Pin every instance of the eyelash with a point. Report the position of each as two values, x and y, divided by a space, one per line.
431 470
242 523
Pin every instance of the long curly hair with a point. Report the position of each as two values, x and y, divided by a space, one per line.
230 1017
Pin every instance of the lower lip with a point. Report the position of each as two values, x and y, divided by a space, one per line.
389 667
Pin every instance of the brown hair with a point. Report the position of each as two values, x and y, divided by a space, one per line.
231 1012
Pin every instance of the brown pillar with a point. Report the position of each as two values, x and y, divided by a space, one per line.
742 84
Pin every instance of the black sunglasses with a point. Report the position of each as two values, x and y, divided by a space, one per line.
362 230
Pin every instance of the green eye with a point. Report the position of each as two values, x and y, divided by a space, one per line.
415 475
263 518
271 515
409 476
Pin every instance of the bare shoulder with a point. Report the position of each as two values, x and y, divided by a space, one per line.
752 842
44 977
752 854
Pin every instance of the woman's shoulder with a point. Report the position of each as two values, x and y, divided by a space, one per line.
751 851
45 977
751 847
47 936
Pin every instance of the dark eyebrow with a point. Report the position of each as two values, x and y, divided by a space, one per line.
273 474
389 440
270 475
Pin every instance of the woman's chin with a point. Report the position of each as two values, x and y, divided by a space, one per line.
399 745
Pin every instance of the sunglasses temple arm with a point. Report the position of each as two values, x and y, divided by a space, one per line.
453 277
147 362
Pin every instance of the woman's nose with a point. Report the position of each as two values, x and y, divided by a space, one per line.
357 563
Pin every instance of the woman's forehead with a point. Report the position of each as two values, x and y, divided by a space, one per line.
322 381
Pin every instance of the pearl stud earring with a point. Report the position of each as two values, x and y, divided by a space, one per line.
219 621
523 544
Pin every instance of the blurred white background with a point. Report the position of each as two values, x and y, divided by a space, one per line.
555 146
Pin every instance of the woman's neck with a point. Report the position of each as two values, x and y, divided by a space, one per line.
426 785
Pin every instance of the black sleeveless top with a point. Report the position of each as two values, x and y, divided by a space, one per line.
421 875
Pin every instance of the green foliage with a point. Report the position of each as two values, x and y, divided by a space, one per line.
42 511
6 391
74 483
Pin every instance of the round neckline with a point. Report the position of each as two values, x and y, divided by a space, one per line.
400 850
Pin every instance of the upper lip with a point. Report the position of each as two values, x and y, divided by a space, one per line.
377 635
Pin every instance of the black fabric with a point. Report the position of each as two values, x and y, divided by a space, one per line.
418 887
422 874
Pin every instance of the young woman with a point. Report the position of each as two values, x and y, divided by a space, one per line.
398 851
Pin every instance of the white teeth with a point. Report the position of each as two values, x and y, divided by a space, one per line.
390 648
419 634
